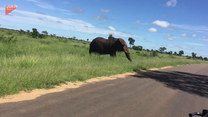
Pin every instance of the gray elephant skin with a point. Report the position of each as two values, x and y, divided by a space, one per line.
109 46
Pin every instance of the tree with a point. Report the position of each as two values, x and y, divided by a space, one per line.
162 49
205 58
181 52
28 31
41 36
137 47
110 36
193 55
74 38
21 31
200 57
170 53
154 53
45 33
87 40
35 33
175 53
131 41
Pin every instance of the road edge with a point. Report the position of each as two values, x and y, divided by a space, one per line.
24 96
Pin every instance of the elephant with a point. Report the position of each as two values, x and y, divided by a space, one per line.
109 46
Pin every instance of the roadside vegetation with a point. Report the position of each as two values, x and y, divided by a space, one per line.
29 60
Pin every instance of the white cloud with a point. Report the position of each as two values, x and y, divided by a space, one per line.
204 38
111 28
101 17
48 21
169 37
31 0
152 30
77 10
171 3
194 35
42 4
139 22
184 35
67 13
194 44
49 6
105 10
198 29
163 24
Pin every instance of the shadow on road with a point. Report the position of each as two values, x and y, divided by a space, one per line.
191 83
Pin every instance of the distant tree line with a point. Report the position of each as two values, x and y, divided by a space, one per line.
35 34
163 51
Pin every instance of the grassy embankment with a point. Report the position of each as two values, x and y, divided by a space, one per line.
27 63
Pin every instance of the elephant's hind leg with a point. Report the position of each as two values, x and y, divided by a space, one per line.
113 54
90 50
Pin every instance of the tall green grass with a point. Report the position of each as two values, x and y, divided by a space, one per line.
28 63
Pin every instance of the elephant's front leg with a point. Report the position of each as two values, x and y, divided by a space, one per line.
113 54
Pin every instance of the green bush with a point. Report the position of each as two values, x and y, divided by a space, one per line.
154 53
35 33
137 47
8 39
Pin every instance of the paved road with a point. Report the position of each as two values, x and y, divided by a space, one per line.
171 92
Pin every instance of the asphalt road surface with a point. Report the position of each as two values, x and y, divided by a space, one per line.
172 92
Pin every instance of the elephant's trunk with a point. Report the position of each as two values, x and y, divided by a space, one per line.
125 48
128 56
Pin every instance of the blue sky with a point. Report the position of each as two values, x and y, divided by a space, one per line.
175 24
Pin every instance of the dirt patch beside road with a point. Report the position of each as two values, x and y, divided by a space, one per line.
22 96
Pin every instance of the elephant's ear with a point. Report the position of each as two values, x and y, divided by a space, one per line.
125 47
122 42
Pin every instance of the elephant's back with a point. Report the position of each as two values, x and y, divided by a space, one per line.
98 39
99 45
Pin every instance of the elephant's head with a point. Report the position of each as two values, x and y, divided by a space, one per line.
122 46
